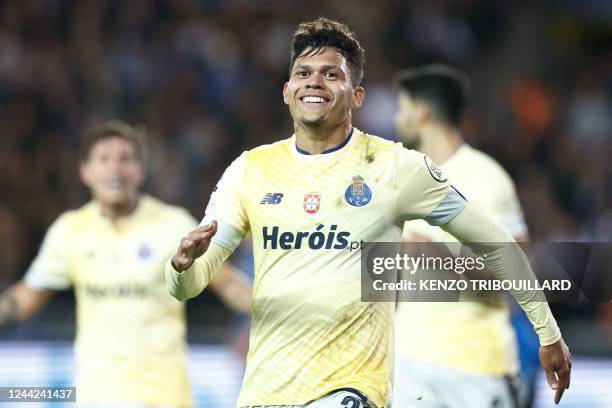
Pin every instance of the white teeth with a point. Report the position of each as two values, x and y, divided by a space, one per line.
114 183
313 99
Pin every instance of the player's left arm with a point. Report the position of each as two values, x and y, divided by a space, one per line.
233 287
506 261
422 191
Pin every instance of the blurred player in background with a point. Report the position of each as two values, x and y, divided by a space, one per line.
308 202
130 344
460 354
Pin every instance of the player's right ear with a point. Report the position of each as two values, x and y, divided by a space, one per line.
285 94
422 113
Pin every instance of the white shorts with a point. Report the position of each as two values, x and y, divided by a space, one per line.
420 384
337 399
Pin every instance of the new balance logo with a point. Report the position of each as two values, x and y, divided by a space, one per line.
272 198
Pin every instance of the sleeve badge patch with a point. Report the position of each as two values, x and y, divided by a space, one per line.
435 171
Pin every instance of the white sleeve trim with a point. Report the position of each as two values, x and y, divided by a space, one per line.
227 236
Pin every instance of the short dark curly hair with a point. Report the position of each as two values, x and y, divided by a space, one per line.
114 128
313 36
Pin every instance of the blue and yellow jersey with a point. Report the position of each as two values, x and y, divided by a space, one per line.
308 214
130 344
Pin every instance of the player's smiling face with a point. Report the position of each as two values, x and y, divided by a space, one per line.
319 92
113 172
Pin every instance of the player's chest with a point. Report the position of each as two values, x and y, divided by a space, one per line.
109 257
304 196
309 196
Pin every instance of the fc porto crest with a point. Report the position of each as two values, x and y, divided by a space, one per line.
144 252
358 193
312 202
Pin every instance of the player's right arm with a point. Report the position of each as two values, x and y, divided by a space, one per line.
19 302
186 278
48 272
203 250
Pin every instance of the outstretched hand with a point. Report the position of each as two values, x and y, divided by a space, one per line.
557 362
193 246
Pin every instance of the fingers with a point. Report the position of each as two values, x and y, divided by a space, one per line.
551 378
180 261
557 362
193 246
203 232
569 366
187 246
562 373
558 395
197 236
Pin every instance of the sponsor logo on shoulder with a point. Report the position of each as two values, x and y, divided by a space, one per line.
435 171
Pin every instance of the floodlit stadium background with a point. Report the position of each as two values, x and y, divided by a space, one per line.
205 78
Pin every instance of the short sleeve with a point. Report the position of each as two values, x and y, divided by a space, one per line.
51 267
423 190
226 207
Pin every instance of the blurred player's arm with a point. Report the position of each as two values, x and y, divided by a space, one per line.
507 261
48 272
19 302
233 287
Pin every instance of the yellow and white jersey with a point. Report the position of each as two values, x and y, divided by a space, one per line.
308 214
130 344
471 336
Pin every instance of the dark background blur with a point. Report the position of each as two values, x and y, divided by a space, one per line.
205 78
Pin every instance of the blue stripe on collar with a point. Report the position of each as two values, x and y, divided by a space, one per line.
333 149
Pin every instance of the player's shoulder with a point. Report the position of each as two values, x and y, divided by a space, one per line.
75 218
154 207
267 151
486 165
375 143
378 150
468 152
81 214
409 156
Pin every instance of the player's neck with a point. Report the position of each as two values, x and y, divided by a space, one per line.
114 212
440 142
319 140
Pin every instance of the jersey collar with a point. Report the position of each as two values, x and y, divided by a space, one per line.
332 152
